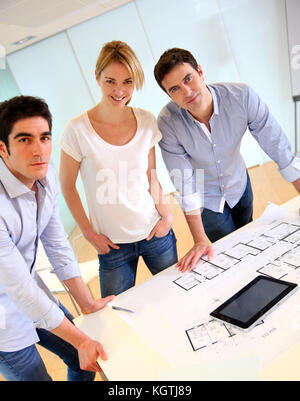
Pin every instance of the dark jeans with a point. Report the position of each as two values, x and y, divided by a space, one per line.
27 365
217 225
118 267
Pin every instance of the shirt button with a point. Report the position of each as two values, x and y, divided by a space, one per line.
215 145
218 161
221 175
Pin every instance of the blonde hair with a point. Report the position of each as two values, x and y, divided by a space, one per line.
117 51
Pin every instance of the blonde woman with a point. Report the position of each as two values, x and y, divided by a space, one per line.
113 147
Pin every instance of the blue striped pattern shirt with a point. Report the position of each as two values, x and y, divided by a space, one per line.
207 168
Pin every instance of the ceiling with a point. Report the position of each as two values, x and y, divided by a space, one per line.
40 19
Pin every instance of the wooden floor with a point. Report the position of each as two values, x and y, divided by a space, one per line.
268 185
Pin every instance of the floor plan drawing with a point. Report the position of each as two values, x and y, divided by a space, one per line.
283 238
216 335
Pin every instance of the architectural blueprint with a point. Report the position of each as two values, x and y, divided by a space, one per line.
279 244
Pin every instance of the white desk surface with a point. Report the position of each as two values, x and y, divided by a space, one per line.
131 356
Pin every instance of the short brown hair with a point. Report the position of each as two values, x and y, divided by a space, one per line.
117 51
169 59
20 107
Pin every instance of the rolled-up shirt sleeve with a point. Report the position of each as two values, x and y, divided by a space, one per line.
21 287
270 136
292 171
187 181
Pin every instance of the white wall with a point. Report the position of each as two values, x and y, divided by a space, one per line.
8 86
233 40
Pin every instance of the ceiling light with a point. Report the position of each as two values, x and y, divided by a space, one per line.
24 40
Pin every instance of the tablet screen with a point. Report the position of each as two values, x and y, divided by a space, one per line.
253 301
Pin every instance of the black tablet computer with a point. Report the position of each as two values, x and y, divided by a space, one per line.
253 301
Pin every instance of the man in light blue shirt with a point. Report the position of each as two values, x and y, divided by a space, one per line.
202 129
29 212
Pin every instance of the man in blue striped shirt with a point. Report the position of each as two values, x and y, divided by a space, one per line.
202 128
29 211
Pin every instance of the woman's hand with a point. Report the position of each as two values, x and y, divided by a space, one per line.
101 242
162 227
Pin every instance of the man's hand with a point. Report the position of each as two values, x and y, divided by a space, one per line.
97 305
88 352
202 245
189 261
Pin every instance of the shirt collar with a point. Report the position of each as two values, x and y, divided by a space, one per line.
12 185
215 99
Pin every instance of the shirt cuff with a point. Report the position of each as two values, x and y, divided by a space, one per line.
190 202
52 319
67 271
292 171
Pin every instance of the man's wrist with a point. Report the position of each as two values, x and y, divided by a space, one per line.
80 340
70 333
88 307
203 240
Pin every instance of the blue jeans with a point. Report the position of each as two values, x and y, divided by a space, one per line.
118 267
27 365
217 225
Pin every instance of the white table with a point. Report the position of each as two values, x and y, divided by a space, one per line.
148 344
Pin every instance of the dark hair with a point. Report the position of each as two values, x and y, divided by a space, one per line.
169 59
20 107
